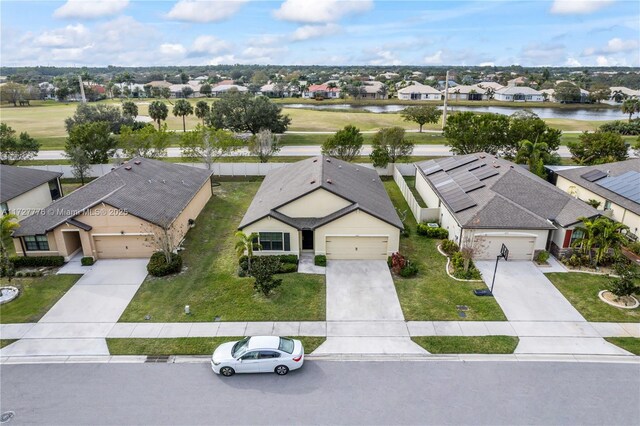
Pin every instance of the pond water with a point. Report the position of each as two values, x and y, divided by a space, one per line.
600 114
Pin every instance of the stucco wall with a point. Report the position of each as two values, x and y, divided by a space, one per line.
53 247
319 203
192 211
354 224
428 195
540 234
24 205
270 224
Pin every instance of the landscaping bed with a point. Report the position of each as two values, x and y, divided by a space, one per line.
467 344
432 295
209 283
186 345
581 290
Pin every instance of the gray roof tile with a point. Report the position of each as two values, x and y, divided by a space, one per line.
18 180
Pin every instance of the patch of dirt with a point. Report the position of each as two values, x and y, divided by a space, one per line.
624 301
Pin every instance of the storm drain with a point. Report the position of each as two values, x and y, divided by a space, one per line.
159 358
6 416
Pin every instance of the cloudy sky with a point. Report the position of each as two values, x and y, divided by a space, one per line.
325 32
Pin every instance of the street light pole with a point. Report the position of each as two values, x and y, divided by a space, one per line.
446 96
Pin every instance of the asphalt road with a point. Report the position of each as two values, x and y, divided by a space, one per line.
433 392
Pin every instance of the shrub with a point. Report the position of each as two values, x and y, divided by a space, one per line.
426 231
542 256
625 284
288 263
410 270
286 268
288 258
622 127
457 262
634 247
263 268
158 266
398 262
19 274
449 247
577 260
320 260
21 261
87 261
406 231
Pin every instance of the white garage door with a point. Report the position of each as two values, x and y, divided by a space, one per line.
520 247
356 248
121 247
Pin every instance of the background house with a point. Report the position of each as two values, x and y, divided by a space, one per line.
322 205
518 94
25 191
321 90
467 93
419 92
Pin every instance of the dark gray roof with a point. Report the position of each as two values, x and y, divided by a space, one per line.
611 169
502 195
18 180
357 184
152 190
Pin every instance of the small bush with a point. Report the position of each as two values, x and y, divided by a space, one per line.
87 261
449 247
635 247
22 262
457 262
286 268
577 260
410 270
288 263
622 127
19 274
320 260
288 258
426 231
542 257
263 268
158 266
406 231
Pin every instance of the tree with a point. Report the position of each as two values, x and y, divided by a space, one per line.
207 145
631 106
182 108
184 78
534 154
80 164
546 75
422 114
14 150
264 268
94 139
158 112
264 145
13 92
165 92
205 89
600 94
566 92
186 91
528 126
145 142
202 110
601 234
598 148
467 132
390 146
109 114
241 112
164 239
129 109
346 144
626 282
246 244
8 223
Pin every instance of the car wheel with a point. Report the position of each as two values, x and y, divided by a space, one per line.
281 370
227 371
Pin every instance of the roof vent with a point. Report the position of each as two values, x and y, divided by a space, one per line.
339 166
149 180
328 160
113 168
127 168
164 181
315 160
496 166
182 182
312 182
329 181
482 156
137 162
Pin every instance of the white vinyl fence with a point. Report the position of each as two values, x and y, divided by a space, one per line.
421 214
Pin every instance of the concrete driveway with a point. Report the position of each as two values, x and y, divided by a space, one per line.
102 294
525 294
361 290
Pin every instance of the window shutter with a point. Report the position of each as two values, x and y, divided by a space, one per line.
287 242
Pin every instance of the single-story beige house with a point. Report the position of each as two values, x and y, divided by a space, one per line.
419 92
616 186
324 206
118 214
24 191
485 201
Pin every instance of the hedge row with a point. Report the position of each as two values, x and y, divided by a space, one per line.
429 232
288 263
33 261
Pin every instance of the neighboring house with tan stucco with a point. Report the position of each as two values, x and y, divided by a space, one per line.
324 206
616 186
24 191
117 215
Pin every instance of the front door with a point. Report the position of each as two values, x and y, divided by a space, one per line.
307 240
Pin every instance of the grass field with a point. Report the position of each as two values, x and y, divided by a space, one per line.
631 344
468 345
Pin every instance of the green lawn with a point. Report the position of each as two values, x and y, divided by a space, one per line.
432 295
468 345
631 344
582 291
209 283
186 345
318 139
5 342
37 296
411 182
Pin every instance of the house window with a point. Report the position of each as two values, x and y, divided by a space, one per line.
275 241
607 205
54 189
36 243
576 235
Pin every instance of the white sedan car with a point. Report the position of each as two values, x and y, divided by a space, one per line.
258 354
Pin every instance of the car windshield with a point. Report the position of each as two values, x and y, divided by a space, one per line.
286 345
240 347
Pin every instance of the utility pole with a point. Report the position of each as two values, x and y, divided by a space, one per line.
84 100
446 97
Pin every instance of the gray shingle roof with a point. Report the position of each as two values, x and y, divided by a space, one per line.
153 190
511 198
357 184
613 169
18 180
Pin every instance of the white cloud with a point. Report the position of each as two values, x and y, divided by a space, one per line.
573 62
434 59
210 44
69 36
320 11
538 54
615 45
204 10
314 31
90 9
583 7
385 57
172 49
487 64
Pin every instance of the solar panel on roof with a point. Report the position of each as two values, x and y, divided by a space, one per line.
484 172
594 175
626 185
458 162
456 198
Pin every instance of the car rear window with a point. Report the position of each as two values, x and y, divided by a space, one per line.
286 345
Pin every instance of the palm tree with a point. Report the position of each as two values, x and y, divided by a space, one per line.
246 244
631 106
158 111
534 154
602 233
182 108
202 110
7 225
